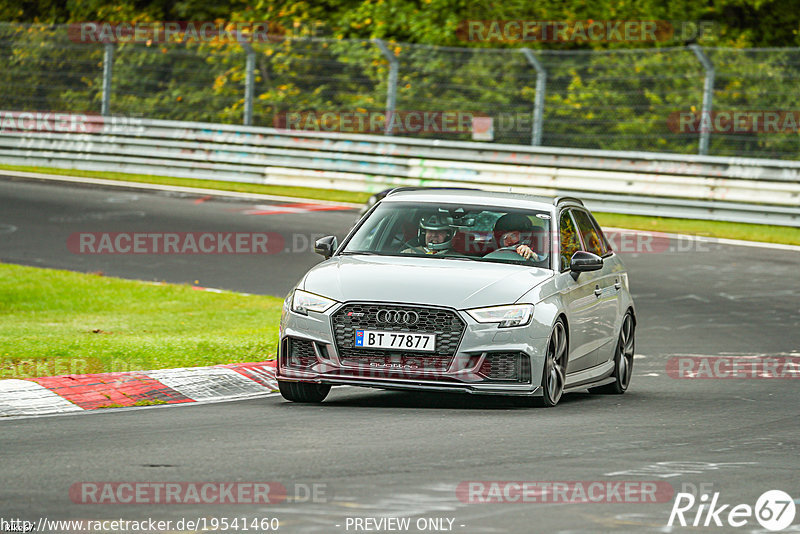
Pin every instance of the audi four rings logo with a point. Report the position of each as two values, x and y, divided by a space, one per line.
397 317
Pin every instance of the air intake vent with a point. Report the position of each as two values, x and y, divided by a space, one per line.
299 353
506 367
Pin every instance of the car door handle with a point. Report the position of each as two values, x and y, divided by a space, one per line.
597 291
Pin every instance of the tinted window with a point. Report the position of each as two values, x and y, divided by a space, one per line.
606 246
592 238
570 243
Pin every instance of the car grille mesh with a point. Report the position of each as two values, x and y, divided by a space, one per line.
506 367
445 323
300 353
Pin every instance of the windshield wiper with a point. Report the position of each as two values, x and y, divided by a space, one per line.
359 253
468 258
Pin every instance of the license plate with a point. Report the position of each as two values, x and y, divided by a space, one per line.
377 339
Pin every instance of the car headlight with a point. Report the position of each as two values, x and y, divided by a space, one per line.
304 302
507 316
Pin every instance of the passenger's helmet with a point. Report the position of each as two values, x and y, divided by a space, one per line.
513 222
440 222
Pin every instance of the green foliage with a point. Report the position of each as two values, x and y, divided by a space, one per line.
613 98
43 70
742 23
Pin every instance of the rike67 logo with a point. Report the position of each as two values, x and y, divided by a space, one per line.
774 510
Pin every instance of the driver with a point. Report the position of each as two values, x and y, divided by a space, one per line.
436 233
513 232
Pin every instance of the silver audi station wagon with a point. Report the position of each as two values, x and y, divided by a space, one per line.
463 291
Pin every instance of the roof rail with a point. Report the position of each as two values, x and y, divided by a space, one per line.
559 200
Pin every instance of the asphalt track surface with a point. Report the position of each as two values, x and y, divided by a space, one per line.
381 454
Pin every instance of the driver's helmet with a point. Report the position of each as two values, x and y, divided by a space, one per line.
440 222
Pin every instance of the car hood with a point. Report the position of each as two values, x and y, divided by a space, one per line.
443 282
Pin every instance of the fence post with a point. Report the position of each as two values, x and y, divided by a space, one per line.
108 61
249 86
708 96
249 77
391 90
538 103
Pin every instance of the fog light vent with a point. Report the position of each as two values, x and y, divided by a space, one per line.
300 353
506 367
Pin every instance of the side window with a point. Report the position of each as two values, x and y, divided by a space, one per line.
603 241
570 243
591 239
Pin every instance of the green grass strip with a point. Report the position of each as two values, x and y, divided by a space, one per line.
55 322
333 195
748 232
728 230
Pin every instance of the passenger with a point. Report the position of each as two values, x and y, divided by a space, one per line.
513 232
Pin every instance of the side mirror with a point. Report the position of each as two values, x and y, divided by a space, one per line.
583 261
326 246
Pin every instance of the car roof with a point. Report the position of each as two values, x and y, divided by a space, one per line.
479 197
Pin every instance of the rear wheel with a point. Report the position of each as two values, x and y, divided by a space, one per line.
623 359
303 391
555 366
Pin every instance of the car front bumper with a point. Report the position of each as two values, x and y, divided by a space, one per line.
488 360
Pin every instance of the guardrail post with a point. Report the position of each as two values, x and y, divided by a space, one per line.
108 62
249 86
538 103
708 96
391 89
249 77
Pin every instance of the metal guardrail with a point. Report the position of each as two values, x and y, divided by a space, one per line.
702 187
670 98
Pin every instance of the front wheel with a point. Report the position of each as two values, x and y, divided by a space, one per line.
555 366
623 360
303 391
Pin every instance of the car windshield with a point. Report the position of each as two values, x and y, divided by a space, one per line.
468 232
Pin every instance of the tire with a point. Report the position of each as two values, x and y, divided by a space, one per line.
303 391
623 359
555 366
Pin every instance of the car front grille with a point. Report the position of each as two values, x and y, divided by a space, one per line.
506 367
446 324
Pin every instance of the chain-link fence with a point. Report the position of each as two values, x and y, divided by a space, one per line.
659 99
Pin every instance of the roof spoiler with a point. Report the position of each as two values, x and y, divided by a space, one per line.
559 200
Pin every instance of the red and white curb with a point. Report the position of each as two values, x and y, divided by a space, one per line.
304 207
75 393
